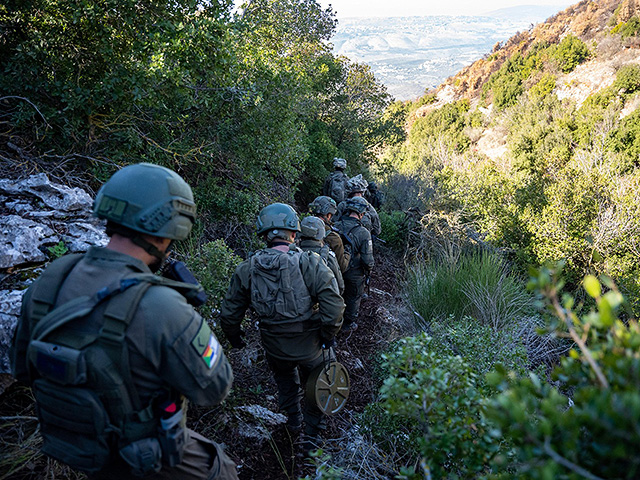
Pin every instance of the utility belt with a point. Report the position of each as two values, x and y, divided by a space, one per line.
291 327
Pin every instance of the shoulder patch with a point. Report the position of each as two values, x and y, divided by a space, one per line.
207 345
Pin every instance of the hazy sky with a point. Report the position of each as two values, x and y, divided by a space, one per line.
401 8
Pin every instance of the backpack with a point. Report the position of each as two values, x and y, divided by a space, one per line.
337 186
278 292
86 402
349 245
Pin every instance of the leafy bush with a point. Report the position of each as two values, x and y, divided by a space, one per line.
570 52
589 429
435 396
394 229
627 29
213 265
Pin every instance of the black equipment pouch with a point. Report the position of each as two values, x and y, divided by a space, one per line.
63 365
144 456
75 426
179 272
173 437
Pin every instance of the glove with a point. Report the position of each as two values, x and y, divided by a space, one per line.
327 342
236 341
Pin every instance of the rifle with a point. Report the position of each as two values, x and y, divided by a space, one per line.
378 239
367 282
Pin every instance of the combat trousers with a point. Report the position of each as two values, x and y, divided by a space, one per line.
353 290
291 378
202 460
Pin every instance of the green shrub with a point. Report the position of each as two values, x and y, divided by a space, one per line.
435 396
588 427
570 52
394 229
213 265
628 29
627 79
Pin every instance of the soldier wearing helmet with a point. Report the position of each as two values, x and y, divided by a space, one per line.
113 351
356 188
299 308
336 183
358 240
373 195
312 235
325 208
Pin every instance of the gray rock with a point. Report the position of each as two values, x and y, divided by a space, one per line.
255 420
10 301
20 239
57 197
81 236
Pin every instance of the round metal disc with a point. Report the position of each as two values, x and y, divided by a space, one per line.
331 388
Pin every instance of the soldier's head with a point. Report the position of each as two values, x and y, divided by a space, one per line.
149 205
278 221
323 207
356 186
372 187
339 163
356 206
312 228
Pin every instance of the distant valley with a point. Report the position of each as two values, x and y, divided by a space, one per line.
411 54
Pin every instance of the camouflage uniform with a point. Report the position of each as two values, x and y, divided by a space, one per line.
163 355
360 265
294 348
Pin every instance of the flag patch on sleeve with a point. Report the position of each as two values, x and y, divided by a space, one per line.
207 345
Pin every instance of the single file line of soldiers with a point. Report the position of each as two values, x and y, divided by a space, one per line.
113 352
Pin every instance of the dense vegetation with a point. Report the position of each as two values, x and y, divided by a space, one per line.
505 379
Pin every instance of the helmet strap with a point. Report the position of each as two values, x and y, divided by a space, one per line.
138 240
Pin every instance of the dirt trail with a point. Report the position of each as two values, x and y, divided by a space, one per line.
279 458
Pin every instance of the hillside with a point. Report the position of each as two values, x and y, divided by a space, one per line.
590 21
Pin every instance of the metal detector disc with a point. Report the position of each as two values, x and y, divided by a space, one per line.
330 387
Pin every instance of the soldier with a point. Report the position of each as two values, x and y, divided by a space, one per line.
112 350
361 262
299 308
374 196
336 183
356 188
312 234
325 208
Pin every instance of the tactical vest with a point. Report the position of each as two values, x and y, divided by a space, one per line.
86 401
278 292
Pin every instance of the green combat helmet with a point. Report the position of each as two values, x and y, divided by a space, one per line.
340 163
356 184
322 205
277 216
356 204
312 227
148 199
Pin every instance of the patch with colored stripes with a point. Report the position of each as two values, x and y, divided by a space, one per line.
207 345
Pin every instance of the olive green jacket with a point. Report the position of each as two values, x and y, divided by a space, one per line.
166 337
308 245
301 345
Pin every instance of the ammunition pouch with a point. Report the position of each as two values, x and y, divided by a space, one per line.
74 424
63 365
143 456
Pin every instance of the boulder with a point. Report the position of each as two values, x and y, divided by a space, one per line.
10 301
